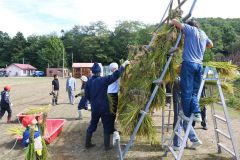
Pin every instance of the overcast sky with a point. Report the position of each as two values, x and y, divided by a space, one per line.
46 16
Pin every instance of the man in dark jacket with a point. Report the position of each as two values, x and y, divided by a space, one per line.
5 104
96 93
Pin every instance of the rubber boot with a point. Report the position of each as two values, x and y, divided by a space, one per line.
53 102
80 116
88 141
9 119
56 101
107 142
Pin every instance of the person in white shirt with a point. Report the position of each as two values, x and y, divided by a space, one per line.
70 88
113 90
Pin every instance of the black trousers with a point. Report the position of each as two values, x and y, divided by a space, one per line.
114 105
204 117
3 109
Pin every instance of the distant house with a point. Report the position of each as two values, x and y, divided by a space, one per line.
21 70
50 72
80 69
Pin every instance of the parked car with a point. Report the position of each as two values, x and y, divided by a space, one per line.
38 74
3 74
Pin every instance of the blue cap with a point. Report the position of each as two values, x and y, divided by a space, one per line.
96 68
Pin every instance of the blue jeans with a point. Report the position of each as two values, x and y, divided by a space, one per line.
183 124
192 134
191 76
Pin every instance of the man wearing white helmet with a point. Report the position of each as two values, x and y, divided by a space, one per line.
113 90
83 104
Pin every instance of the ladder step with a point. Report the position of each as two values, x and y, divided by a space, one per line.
220 103
168 124
169 95
226 149
225 135
173 152
220 118
168 109
182 116
210 79
176 133
158 81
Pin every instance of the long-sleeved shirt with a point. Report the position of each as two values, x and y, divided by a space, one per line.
71 83
5 99
114 87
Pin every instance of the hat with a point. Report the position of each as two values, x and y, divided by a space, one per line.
7 88
113 66
84 78
27 120
96 68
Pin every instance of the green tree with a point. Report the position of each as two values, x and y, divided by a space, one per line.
5 53
18 45
52 53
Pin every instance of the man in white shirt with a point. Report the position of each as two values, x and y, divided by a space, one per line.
113 90
70 88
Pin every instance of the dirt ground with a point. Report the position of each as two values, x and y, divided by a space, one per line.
70 144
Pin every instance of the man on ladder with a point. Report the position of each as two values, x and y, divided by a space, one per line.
195 43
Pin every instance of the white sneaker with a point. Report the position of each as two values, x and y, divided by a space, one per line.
197 117
175 148
196 144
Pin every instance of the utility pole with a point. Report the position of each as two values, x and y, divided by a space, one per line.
72 58
62 31
23 60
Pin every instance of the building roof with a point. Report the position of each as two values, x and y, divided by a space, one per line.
82 65
24 66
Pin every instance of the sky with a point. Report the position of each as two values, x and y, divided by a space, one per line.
47 16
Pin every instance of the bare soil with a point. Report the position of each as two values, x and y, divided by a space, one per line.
28 92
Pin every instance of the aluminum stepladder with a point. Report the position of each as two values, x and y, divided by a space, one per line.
216 117
158 82
167 109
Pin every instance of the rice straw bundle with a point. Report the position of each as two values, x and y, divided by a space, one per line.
137 86
226 69
208 101
16 131
36 110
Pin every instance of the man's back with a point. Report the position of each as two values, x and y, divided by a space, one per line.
195 42
4 98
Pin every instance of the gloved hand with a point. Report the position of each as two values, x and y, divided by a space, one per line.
116 137
11 105
127 62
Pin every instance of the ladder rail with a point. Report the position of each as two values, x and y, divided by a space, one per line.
185 138
227 116
215 124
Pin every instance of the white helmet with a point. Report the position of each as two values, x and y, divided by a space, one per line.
113 66
84 78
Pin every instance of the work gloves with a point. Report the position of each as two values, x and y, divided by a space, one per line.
127 62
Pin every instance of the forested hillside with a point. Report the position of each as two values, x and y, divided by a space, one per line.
97 42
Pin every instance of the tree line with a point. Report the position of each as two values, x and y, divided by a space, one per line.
97 43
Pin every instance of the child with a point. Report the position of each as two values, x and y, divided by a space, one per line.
31 123
5 104
83 104
55 90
